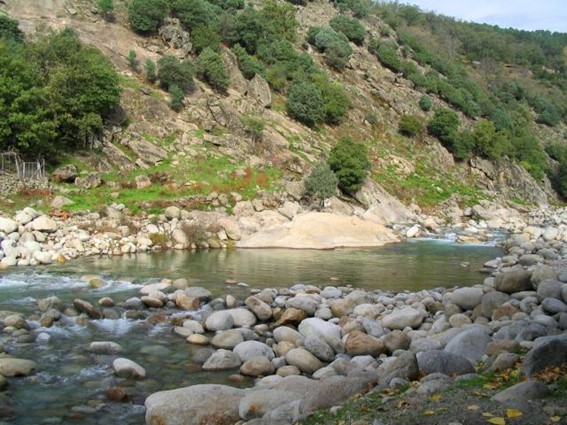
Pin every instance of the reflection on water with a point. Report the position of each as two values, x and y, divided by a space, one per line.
411 265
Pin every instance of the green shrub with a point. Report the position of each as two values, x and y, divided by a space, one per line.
173 71
204 36
336 102
145 16
133 61
321 182
151 71
388 56
350 27
337 55
177 96
443 123
334 44
305 103
106 7
210 67
249 65
349 161
9 29
425 103
228 4
195 13
410 125
254 127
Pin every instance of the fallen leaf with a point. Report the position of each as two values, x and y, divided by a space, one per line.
497 421
473 407
490 386
513 413
435 397
429 412
555 419
487 414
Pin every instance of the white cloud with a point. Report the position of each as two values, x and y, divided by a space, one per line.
522 14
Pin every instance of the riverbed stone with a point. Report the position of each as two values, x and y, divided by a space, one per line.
522 392
359 344
258 403
197 339
467 298
247 350
222 360
261 309
195 405
185 302
227 339
152 301
470 344
548 354
8 225
438 361
126 368
550 288
491 301
554 306
307 304
86 307
396 340
291 316
257 366
303 360
284 333
219 321
513 281
199 292
403 318
242 317
10 366
404 366
319 348
104 347
44 224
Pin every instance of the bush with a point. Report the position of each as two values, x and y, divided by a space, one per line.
349 161
332 43
321 182
106 7
210 67
177 96
305 103
151 72
133 61
204 36
9 29
388 56
336 102
248 65
425 103
195 13
146 15
443 124
173 71
350 27
410 125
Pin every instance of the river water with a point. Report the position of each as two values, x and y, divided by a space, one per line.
70 385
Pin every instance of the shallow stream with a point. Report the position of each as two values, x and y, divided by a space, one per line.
70 385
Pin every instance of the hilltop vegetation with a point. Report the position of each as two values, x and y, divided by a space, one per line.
483 91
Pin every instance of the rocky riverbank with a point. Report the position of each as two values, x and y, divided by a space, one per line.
311 348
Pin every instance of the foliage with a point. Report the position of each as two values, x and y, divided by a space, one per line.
254 127
332 43
305 103
210 67
106 7
321 182
177 96
195 13
230 5
349 161
443 124
410 125
133 61
360 8
54 93
173 71
249 65
335 101
151 71
425 103
144 16
350 27
9 29
205 36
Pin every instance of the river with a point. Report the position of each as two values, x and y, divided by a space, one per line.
70 385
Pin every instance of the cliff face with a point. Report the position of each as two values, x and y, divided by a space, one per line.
145 132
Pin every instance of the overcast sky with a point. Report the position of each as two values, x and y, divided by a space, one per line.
522 14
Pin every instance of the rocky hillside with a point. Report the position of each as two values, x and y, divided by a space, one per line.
244 142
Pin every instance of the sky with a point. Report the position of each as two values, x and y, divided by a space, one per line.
521 14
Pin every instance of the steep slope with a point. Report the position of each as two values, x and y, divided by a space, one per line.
213 129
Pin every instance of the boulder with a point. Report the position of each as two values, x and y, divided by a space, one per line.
66 174
258 403
470 344
396 340
283 333
44 224
242 317
522 392
259 90
491 301
8 226
104 347
185 302
86 307
404 366
219 321
257 366
262 310
60 201
319 348
291 316
307 304
467 298
227 339
196 405
90 181
359 344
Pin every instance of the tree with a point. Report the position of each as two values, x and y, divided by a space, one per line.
305 103
321 182
194 13
211 68
107 8
9 30
425 103
349 161
249 65
146 15
443 123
